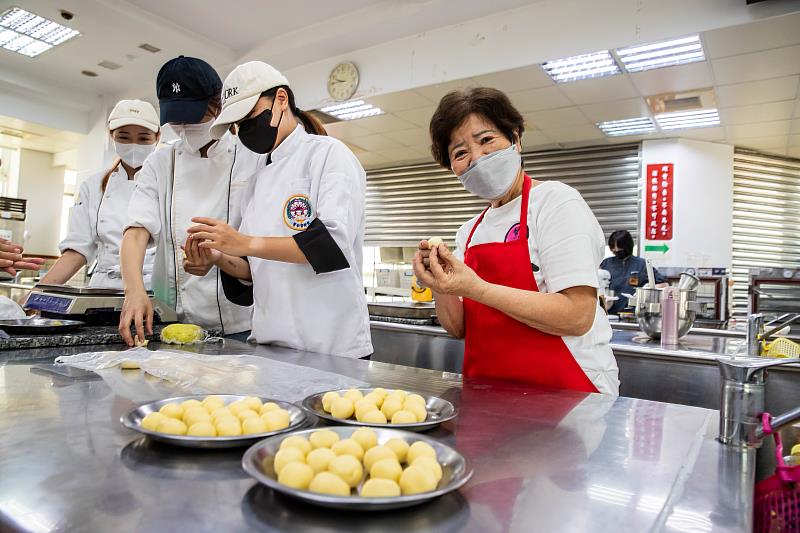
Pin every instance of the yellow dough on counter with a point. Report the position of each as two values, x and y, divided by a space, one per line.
386 469
296 441
289 455
127 364
328 483
380 488
348 468
296 475
320 458
366 438
416 479
324 438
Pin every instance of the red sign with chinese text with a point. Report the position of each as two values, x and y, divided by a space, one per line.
658 221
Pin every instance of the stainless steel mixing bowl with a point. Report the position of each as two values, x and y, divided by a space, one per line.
648 311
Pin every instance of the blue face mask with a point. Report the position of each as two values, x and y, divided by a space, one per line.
491 176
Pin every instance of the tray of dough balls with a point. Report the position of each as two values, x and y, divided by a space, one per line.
219 421
381 408
357 468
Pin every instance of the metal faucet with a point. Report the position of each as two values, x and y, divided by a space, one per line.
742 400
756 331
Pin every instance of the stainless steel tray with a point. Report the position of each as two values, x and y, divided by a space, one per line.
439 412
456 470
84 291
133 420
402 309
38 325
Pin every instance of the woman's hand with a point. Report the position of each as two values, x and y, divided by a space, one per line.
217 235
11 258
137 309
446 274
198 260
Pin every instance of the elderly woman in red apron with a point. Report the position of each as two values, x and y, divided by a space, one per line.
521 285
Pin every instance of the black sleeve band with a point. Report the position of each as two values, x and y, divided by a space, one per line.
322 252
236 291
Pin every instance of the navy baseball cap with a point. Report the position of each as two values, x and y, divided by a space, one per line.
184 87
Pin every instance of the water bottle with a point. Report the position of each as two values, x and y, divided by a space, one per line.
670 297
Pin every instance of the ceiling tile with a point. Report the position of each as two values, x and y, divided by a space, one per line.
401 154
533 139
794 141
537 99
757 113
435 92
703 134
413 137
760 129
517 79
793 151
555 118
796 126
399 101
763 143
418 117
757 66
673 79
599 89
346 129
618 110
761 35
574 134
373 142
372 159
757 92
383 123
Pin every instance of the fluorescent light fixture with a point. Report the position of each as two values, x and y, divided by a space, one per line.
701 118
582 67
631 126
352 110
662 54
29 34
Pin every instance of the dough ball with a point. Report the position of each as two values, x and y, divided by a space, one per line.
296 475
194 415
416 479
267 407
399 447
420 412
365 437
246 413
348 468
348 447
221 412
375 398
320 458
397 393
286 456
172 426
387 469
172 410
404 417
373 417
434 241
342 408
276 420
236 407
253 426
380 488
228 427
127 364
353 395
414 398
152 420
328 483
376 454
253 403
202 429
390 407
324 438
188 404
327 399
383 393
364 406
213 402
431 465
420 449
296 441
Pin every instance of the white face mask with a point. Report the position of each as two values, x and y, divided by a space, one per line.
133 154
194 136
492 175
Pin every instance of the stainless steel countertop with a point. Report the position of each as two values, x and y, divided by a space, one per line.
544 461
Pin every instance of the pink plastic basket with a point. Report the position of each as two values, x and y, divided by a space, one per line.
777 498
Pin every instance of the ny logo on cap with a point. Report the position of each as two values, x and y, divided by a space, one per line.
176 87
233 91
132 110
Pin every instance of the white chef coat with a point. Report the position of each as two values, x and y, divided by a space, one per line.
294 306
167 197
95 227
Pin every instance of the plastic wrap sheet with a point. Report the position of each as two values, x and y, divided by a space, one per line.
191 373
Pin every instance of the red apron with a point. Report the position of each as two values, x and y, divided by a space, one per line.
496 345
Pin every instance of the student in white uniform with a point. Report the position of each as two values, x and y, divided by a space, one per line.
100 212
201 174
303 227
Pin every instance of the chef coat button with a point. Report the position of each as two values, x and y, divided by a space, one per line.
180 152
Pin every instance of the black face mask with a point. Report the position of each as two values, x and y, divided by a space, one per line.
620 254
257 134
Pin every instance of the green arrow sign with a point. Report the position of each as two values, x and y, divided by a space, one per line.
663 248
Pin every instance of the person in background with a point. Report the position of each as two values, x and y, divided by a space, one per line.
627 270
11 259
100 212
201 174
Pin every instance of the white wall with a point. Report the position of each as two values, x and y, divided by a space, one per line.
42 184
702 202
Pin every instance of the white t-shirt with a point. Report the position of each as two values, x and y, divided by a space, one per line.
567 244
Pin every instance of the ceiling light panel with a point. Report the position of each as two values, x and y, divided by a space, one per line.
631 126
702 118
352 110
29 34
582 67
662 54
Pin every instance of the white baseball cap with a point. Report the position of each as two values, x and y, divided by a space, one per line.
242 89
133 112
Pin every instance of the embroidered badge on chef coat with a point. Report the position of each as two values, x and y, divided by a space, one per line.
297 213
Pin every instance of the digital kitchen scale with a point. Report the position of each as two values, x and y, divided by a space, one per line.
88 304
